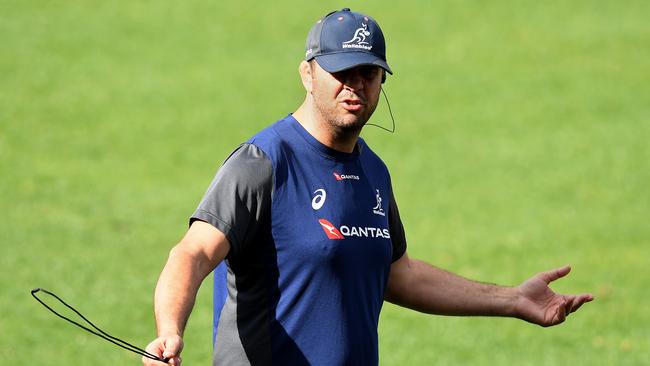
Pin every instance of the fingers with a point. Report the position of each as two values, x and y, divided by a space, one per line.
173 346
569 305
164 347
575 302
155 348
561 313
175 361
554 274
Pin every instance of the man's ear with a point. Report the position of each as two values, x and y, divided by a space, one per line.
306 75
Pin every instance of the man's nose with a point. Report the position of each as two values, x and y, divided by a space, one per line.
353 80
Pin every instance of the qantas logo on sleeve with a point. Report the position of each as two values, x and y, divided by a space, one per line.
345 176
335 233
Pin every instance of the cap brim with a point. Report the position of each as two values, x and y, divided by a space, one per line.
337 62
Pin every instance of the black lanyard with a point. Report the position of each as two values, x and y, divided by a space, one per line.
98 332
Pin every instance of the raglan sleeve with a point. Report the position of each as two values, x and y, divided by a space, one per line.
238 201
396 229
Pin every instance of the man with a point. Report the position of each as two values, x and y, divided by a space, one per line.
304 217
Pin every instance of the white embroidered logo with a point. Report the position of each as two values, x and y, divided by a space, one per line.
378 210
359 39
319 199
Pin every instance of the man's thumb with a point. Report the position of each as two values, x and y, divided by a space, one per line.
173 346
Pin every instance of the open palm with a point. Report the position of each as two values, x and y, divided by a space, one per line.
538 304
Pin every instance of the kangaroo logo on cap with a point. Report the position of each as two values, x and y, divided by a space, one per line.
359 39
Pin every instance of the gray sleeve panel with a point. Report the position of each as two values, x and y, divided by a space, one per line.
397 235
239 197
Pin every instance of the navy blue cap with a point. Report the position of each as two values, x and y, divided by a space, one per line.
345 39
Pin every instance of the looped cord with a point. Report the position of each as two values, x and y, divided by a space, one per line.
389 111
98 332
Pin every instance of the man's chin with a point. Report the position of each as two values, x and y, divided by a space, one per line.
351 124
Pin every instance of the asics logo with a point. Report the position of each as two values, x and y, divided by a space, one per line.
319 199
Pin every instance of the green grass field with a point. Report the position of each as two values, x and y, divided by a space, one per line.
522 144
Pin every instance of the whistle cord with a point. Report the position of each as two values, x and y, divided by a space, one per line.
389 111
98 332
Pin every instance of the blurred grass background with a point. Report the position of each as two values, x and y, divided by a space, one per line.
521 145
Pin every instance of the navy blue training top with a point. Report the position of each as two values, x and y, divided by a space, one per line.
313 232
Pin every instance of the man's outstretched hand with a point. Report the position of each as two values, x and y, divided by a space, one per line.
538 304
